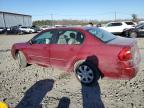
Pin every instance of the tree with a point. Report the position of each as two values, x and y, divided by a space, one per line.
134 18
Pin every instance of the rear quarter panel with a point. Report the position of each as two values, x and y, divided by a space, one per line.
107 55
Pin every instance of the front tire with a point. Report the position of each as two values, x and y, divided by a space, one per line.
21 59
20 33
133 34
87 73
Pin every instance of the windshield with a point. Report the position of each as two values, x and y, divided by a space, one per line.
140 25
101 34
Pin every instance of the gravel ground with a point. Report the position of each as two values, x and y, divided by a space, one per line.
38 87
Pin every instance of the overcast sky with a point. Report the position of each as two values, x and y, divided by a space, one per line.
75 9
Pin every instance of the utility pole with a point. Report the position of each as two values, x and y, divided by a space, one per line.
115 15
4 20
51 19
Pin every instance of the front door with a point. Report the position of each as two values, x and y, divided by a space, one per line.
38 50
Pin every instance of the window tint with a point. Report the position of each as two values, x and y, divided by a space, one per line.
43 38
101 34
114 24
142 27
139 26
23 27
129 23
69 37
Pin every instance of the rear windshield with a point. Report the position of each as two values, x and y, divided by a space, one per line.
101 34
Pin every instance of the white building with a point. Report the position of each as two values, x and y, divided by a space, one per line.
8 19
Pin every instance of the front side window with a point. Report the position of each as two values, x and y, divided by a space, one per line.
139 26
43 38
69 37
114 24
142 27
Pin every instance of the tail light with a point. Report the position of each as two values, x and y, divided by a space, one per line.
125 54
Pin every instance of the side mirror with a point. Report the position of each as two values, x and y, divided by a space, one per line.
30 42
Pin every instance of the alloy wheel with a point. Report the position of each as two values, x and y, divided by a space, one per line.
85 74
133 34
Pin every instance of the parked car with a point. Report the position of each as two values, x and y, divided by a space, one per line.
26 29
135 32
44 27
13 30
60 26
118 27
2 29
36 28
19 30
90 52
140 22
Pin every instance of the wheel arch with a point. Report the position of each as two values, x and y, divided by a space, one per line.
14 54
93 59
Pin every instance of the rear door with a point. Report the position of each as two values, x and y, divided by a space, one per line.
66 47
39 50
141 31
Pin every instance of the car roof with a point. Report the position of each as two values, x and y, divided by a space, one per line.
73 28
120 21
115 22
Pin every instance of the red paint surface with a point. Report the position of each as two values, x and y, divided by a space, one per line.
65 56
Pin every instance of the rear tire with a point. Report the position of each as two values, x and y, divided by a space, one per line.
30 32
20 33
133 34
87 73
21 59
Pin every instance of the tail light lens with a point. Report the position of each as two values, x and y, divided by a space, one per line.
125 54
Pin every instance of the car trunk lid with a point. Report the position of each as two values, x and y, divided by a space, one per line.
118 40
128 48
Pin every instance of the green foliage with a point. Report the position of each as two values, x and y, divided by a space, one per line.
80 22
42 22
134 18
63 22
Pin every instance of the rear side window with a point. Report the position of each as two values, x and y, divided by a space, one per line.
129 23
69 37
101 34
114 24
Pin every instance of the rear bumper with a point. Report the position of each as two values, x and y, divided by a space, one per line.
129 73
123 73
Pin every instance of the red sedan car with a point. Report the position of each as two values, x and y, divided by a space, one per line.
90 52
